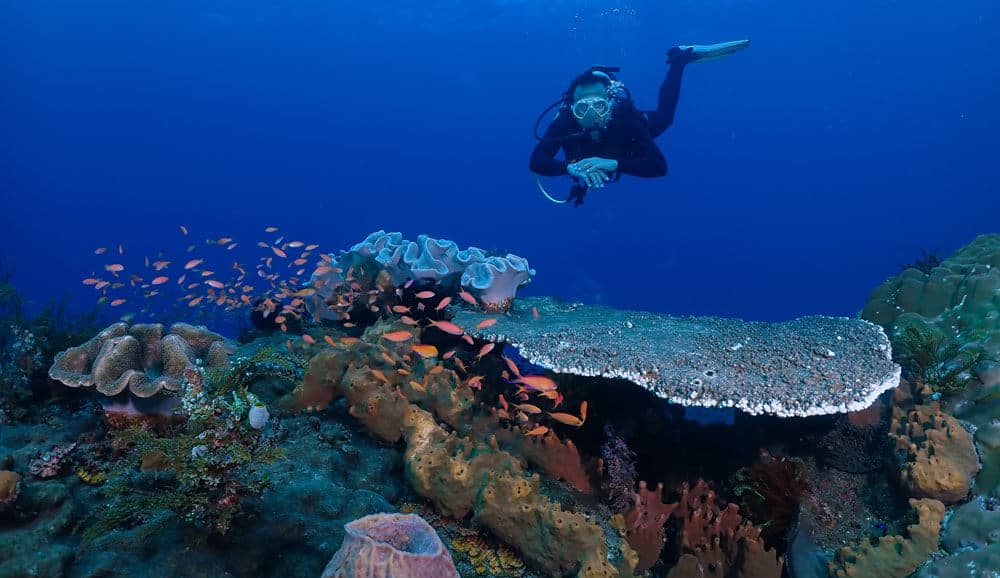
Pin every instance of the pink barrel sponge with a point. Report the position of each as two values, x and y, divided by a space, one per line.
391 546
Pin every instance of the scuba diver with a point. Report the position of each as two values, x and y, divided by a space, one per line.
603 134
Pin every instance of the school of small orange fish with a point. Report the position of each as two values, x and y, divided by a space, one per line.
283 298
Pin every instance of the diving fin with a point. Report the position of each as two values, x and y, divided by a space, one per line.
709 52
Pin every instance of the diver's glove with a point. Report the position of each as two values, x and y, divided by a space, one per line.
676 56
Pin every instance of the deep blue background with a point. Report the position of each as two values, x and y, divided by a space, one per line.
803 171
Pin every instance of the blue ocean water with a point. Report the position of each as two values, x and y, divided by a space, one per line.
803 171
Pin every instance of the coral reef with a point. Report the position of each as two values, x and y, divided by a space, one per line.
714 540
461 476
495 281
929 357
975 524
202 474
769 494
894 556
51 463
852 448
10 486
940 458
644 525
618 473
960 297
499 562
390 546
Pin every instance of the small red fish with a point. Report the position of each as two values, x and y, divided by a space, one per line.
485 349
448 327
536 382
398 336
537 431
486 323
424 295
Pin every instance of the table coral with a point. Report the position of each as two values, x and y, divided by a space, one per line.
808 366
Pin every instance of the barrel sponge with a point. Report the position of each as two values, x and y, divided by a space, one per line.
496 280
391 546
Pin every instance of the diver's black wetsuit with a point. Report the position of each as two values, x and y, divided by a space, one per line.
628 138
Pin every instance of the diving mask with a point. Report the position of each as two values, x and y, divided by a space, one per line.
600 105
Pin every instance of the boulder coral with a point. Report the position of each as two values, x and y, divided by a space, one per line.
961 295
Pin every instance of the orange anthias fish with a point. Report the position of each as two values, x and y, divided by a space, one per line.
424 295
467 297
192 263
570 419
448 327
425 350
486 323
485 349
398 336
536 382
537 431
